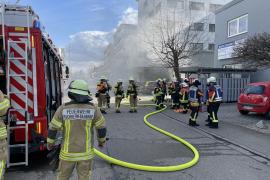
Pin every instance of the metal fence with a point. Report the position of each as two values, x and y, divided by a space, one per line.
232 87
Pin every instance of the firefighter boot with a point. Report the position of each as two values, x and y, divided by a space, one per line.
193 123
213 126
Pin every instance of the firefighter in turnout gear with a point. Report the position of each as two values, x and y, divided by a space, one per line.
4 106
214 97
174 90
108 97
195 95
184 97
76 120
208 120
132 94
119 95
101 95
158 95
164 89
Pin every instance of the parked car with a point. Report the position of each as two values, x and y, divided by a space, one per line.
255 98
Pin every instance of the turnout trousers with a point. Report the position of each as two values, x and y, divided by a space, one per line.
159 101
118 102
102 101
176 100
133 101
194 114
2 169
65 169
213 109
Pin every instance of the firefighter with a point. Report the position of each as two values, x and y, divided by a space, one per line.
101 94
132 94
76 119
215 97
176 95
158 93
170 90
174 91
119 95
164 89
4 106
108 97
184 97
195 95
208 120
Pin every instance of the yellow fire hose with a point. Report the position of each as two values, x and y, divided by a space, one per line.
155 168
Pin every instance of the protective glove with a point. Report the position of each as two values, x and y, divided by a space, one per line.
50 146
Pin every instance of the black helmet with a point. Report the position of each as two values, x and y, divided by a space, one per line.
197 82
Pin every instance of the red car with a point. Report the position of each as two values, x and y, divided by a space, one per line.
255 98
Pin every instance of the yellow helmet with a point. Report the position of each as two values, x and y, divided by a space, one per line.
79 87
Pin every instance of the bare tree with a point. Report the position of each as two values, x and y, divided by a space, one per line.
175 42
254 52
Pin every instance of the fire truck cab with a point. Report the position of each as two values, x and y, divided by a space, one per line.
31 74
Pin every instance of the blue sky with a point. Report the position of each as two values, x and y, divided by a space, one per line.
63 18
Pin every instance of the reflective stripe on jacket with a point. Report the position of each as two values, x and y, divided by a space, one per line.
4 106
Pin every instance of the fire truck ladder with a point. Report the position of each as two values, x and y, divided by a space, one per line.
23 111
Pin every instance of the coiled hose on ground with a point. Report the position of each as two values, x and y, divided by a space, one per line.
155 168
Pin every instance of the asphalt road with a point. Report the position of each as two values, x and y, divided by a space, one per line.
131 140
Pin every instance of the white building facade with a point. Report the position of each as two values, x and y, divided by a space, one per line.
201 13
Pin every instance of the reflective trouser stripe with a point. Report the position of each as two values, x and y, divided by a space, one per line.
214 120
2 169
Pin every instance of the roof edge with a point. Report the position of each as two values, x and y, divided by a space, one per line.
228 5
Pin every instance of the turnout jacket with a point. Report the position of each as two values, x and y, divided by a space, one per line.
132 90
119 91
77 121
102 87
4 106
184 95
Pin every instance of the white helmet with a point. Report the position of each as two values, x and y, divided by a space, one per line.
184 85
211 80
119 80
131 79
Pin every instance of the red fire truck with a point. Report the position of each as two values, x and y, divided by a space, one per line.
31 74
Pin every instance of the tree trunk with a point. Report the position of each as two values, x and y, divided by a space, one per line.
176 70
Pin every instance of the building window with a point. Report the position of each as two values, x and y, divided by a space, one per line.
212 27
214 7
197 46
198 27
198 6
238 26
211 47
